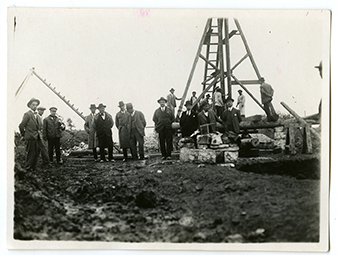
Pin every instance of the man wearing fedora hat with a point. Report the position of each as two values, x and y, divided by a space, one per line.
52 131
163 118
138 125
231 117
241 103
88 127
29 129
171 100
102 124
188 120
123 123
42 143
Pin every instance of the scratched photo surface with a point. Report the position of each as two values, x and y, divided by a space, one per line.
256 174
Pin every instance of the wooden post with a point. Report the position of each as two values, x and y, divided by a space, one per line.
247 48
307 141
292 148
208 25
58 94
299 119
228 62
220 55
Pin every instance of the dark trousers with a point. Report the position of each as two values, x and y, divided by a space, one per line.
166 142
135 138
54 143
125 153
33 151
270 111
94 151
218 110
43 150
105 142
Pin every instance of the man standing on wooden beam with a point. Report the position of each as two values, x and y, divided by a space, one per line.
171 100
267 93
241 103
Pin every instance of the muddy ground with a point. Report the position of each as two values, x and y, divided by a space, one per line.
155 201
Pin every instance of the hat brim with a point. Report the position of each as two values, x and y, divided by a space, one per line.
162 100
33 100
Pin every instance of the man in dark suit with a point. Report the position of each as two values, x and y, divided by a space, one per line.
188 120
29 129
231 117
138 125
102 124
207 119
52 131
42 143
163 118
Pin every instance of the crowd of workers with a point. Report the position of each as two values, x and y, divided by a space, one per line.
200 116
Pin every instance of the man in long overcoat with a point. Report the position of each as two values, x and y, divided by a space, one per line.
188 120
138 125
123 122
231 117
88 126
207 119
163 118
52 132
102 124
29 129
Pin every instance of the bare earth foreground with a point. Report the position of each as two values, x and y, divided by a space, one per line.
155 201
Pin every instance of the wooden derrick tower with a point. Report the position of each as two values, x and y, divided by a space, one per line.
214 50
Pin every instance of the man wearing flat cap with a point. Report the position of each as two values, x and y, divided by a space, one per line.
188 120
42 143
123 124
103 124
29 129
231 117
163 118
138 125
52 132
241 103
88 127
171 100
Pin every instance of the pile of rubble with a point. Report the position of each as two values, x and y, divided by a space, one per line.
81 147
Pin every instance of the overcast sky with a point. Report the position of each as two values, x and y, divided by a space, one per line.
137 55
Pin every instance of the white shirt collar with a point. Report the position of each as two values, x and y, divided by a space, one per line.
162 108
230 108
206 113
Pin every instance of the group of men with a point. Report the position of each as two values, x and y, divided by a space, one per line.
131 125
204 119
36 132
131 129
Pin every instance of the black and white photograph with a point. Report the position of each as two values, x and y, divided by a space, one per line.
168 129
